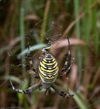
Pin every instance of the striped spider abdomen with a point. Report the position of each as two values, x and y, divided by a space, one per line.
48 69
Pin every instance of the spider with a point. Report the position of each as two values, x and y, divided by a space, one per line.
48 71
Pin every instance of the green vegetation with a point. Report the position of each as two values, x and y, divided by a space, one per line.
25 27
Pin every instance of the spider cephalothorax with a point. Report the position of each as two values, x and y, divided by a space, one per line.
48 71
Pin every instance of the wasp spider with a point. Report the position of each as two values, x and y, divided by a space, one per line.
48 72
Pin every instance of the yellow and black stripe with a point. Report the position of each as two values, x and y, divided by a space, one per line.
48 69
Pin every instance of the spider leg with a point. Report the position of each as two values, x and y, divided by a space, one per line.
60 92
31 68
68 61
66 69
27 91
33 73
48 91
29 56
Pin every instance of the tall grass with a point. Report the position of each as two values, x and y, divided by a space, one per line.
83 17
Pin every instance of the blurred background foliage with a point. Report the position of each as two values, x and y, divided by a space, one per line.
32 23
